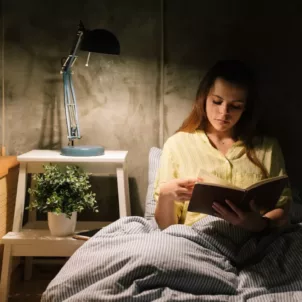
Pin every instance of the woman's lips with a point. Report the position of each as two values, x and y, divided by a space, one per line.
222 121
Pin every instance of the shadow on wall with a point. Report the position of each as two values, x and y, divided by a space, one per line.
51 129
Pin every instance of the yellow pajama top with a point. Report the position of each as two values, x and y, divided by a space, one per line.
185 154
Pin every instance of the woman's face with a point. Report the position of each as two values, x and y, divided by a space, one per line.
224 105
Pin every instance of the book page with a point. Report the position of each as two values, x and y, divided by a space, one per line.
267 180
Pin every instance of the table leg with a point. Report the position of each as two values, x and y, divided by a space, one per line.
123 190
6 273
20 199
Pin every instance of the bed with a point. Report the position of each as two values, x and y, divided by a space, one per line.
132 260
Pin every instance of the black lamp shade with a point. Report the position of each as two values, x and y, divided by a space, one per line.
100 41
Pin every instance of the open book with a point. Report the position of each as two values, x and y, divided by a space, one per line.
265 193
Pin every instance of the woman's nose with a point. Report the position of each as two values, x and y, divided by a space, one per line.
224 109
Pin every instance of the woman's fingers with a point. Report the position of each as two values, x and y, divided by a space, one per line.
219 209
183 193
188 182
178 189
184 197
235 209
224 213
254 207
181 190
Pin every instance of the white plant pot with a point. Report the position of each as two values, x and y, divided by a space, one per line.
60 225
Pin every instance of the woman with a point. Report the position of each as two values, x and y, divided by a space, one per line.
129 260
219 136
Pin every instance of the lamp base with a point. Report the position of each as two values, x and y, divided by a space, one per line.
82 151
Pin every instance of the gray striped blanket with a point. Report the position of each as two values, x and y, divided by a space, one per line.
131 260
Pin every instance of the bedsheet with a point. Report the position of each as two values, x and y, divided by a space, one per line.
132 260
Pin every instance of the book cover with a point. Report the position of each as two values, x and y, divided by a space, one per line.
265 193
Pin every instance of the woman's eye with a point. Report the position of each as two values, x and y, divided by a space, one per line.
230 106
236 107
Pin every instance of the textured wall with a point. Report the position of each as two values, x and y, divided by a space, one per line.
118 97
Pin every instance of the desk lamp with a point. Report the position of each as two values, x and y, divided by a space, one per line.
99 41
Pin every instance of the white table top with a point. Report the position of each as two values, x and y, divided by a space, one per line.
110 156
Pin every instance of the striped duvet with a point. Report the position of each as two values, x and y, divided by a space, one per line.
131 260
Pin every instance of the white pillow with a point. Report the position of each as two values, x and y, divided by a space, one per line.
154 160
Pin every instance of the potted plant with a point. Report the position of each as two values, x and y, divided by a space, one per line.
62 192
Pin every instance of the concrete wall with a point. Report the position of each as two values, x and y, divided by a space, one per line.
118 96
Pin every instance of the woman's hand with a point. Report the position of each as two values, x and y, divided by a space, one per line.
169 192
251 221
178 189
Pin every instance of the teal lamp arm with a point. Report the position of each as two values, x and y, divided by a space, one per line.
99 41
70 103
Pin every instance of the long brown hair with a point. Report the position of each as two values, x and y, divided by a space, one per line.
235 72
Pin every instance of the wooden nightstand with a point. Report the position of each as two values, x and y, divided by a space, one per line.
34 239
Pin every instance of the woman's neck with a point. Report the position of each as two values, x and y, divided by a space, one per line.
222 141
218 135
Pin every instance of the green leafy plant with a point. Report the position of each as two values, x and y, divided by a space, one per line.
62 190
